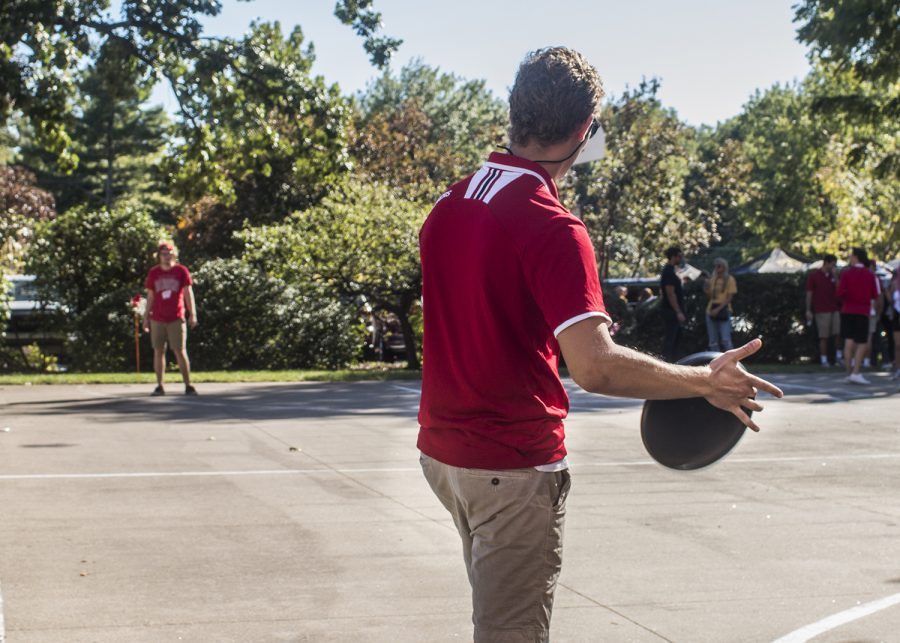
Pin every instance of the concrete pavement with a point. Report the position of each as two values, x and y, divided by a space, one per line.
297 512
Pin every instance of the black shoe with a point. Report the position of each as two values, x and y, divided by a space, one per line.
159 390
190 390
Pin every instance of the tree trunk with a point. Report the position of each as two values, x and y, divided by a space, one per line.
409 338
107 187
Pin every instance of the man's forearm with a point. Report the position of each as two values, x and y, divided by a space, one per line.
148 307
629 373
673 300
599 365
190 303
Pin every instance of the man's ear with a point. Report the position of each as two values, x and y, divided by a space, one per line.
585 126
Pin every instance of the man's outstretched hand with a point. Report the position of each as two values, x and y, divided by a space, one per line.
733 388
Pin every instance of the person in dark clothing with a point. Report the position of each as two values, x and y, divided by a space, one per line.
672 307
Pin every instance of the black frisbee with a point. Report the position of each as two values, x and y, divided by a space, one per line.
689 433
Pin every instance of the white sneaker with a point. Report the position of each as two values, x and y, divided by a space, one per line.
857 378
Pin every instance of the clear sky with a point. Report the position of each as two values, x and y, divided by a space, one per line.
711 55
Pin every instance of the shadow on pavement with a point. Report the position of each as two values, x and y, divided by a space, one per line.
265 402
829 388
251 402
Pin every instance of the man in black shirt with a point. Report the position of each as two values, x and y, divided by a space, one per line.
672 306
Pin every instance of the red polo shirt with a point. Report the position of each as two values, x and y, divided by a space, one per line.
823 287
505 268
856 290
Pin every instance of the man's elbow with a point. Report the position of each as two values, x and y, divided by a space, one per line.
593 383
593 377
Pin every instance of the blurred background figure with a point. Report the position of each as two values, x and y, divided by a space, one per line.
894 313
822 307
721 289
672 308
856 291
874 345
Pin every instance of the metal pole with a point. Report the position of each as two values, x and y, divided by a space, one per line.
137 344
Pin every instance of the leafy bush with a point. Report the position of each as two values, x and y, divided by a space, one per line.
102 336
92 262
770 306
249 320
4 302
361 242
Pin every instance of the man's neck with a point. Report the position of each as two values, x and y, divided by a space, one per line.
535 153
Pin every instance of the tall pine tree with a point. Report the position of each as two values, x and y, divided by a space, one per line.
119 142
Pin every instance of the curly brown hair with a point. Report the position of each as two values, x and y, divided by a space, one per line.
556 89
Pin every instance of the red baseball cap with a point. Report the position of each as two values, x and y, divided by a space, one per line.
168 245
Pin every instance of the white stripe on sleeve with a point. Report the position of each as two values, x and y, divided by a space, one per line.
577 318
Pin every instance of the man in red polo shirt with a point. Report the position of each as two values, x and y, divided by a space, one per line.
822 306
857 291
509 283
169 288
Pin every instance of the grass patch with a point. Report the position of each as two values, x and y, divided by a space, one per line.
364 372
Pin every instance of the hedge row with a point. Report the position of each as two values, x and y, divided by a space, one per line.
770 306
252 321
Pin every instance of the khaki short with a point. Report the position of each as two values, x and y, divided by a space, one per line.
172 333
828 324
511 524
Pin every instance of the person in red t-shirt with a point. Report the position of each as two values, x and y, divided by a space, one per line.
823 307
857 291
509 285
169 293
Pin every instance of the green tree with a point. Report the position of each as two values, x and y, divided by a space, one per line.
92 262
361 242
421 130
718 187
784 140
856 42
366 22
267 139
118 141
818 182
44 42
866 204
634 202
857 34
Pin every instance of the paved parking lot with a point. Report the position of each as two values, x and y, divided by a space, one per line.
298 513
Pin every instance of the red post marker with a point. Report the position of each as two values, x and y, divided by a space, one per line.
136 305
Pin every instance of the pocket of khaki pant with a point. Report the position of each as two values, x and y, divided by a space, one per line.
564 483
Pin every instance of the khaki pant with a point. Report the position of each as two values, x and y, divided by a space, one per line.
174 333
511 524
828 324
